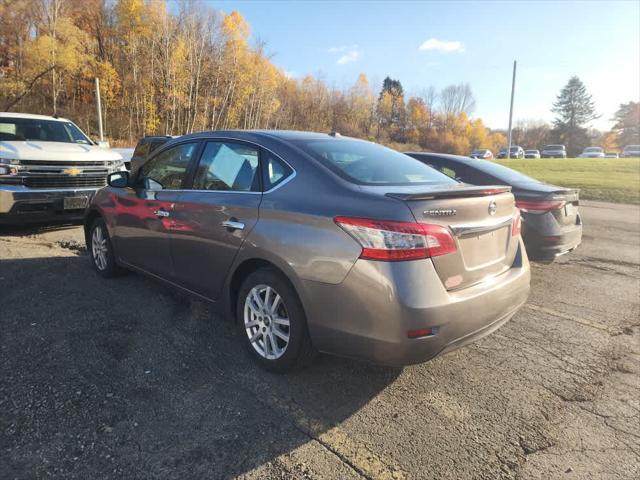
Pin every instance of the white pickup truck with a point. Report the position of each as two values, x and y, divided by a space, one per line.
48 168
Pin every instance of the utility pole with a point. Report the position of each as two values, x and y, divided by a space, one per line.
99 107
513 89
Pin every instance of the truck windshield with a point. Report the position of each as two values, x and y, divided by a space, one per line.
368 163
22 129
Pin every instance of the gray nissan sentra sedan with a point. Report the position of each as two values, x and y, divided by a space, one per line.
316 242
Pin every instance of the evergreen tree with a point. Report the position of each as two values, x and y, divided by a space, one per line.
574 109
627 127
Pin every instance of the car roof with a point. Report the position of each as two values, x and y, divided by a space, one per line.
32 116
256 134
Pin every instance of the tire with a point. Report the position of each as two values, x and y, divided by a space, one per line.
260 315
101 250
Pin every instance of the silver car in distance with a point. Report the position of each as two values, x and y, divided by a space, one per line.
315 242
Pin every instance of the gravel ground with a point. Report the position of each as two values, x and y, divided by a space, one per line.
125 379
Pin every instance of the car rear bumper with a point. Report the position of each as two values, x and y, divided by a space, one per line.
545 243
368 316
19 204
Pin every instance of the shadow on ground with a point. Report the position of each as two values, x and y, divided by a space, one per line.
122 377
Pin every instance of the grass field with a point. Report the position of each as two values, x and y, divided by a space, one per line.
608 179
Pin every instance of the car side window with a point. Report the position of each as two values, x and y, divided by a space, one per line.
142 149
275 171
475 177
167 170
226 166
448 171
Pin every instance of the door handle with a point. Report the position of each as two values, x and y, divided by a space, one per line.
233 225
161 213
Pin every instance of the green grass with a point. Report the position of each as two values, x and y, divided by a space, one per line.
607 179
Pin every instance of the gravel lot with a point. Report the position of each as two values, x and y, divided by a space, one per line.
125 379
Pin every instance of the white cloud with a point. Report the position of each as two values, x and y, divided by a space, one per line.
348 53
348 57
445 46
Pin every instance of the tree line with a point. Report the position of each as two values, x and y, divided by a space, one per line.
575 110
194 68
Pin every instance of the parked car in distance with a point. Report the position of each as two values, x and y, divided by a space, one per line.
592 152
532 154
48 168
551 223
611 155
554 151
391 265
631 151
482 153
515 152
145 147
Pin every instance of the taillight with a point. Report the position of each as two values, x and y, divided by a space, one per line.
539 206
393 241
516 226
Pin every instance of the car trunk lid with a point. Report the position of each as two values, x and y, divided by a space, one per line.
560 201
480 219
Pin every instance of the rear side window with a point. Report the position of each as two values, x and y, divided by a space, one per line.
371 164
227 167
275 171
167 170
141 149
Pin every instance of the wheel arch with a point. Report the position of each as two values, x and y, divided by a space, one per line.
89 218
243 269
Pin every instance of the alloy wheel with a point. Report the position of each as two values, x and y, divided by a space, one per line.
266 322
99 247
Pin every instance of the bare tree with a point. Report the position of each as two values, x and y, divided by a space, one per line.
457 99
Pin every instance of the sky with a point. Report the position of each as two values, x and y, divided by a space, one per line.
423 43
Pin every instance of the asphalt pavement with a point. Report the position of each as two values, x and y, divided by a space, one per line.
126 379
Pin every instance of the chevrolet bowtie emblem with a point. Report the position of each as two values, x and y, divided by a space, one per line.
72 171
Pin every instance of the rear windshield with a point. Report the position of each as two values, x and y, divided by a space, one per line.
632 147
370 164
21 129
593 149
554 147
505 174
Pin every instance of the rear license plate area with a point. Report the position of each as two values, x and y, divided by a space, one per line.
74 203
484 249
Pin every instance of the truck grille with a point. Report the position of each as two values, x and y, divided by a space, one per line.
68 163
51 181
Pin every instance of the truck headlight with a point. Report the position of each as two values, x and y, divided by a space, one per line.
9 166
117 165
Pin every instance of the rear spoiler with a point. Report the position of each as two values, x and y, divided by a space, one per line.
457 192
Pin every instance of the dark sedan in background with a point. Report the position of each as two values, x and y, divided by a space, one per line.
551 223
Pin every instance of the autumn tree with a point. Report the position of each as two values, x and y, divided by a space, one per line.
191 68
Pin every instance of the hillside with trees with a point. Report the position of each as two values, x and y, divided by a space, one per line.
166 72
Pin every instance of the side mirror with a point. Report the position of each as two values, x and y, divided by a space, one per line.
103 144
118 179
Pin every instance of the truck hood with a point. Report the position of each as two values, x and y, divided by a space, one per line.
55 151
